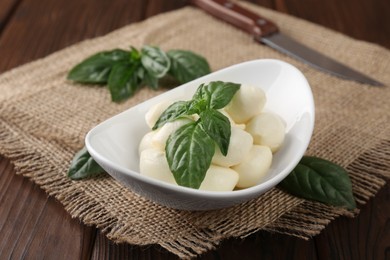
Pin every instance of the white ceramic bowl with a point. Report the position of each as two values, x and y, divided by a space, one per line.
114 143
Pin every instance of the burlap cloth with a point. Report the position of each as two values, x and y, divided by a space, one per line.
44 118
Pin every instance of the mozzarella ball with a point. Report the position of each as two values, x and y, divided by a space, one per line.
146 142
267 129
155 112
246 103
223 111
154 164
254 167
161 137
240 144
219 179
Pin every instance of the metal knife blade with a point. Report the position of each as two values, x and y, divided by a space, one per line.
265 31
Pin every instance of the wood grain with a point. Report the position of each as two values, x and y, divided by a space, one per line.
31 224
34 226
38 28
364 237
363 19
7 8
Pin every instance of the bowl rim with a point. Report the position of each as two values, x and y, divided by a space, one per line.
241 193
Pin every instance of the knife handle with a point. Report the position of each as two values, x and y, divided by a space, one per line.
240 17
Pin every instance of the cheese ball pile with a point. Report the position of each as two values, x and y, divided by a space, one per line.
255 136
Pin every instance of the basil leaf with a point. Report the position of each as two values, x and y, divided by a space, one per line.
174 111
83 166
187 66
321 180
155 61
150 80
123 81
96 69
189 151
140 73
217 126
135 55
217 94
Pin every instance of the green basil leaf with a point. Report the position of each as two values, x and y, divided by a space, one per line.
123 81
140 71
155 61
217 94
321 180
187 66
135 55
83 166
189 151
217 126
96 69
174 111
150 80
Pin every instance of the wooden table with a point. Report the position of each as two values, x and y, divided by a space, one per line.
35 226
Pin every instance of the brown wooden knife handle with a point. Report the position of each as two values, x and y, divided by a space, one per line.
236 15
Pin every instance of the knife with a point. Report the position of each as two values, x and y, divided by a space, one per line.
267 32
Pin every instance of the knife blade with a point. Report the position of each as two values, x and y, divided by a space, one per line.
268 33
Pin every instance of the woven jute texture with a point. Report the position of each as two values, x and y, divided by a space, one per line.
44 119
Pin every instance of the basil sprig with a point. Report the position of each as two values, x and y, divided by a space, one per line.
190 148
126 71
320 180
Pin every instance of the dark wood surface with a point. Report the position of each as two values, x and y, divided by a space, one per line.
35 226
